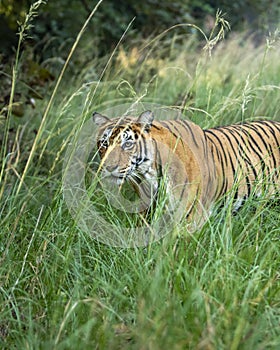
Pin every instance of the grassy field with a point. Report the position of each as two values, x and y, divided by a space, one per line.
216 289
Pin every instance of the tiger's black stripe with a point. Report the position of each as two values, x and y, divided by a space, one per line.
235 169
186 124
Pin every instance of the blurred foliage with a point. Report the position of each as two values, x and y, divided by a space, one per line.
53 32
60 21
260 15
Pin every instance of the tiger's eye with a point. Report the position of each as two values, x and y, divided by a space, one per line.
127 144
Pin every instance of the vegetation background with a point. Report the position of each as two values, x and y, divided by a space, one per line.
61 289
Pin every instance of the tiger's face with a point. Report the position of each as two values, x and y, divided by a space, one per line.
125 148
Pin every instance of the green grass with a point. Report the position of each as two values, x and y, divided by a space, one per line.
218 288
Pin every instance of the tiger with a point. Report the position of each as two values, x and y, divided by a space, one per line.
227 162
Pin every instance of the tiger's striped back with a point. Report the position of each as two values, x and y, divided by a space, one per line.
246 158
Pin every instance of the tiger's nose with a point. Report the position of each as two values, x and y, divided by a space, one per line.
111 168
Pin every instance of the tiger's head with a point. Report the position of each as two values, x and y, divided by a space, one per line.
125 147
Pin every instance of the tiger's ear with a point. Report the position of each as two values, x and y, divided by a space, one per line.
146 118
99 119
